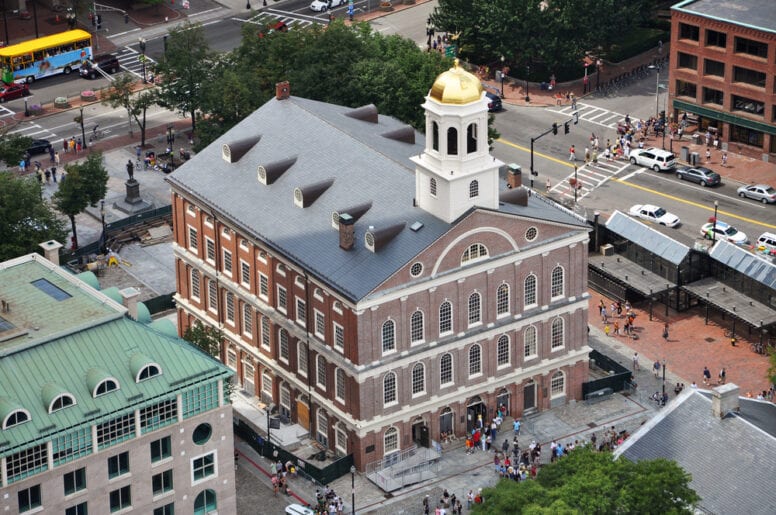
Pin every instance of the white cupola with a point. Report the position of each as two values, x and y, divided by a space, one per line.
456 172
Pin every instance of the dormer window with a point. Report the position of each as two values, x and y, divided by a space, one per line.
148 372
61 402
105 386
16 417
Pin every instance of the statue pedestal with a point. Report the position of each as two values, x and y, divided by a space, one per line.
133 203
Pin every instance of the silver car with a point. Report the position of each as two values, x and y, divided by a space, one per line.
762 192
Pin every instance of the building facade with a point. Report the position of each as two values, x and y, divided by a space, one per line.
101 413
723 69
375 284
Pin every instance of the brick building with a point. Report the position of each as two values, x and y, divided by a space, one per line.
102 413
723 69
375 284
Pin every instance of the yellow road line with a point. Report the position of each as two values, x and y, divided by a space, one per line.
539 154
694 204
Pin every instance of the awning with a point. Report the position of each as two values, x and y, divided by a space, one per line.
630 274
736 304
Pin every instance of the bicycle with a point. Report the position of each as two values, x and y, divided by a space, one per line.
96 134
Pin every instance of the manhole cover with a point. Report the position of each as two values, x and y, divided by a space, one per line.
591 424
710 339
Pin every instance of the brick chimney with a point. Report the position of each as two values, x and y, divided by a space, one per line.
514 176
51 250
346 231
724 399
129 299
282 90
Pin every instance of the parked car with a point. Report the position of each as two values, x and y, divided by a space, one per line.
321 6
762 192
654 158
13 90
39 146
767 243
723 231
699 174
108 63
654 214
494 102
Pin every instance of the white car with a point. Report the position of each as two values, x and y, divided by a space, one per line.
723 231
321 6
654 214
654 158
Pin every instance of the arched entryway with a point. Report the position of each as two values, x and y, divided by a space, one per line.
529 395
420 434
475 409
503 401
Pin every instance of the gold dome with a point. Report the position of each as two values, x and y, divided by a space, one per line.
456 86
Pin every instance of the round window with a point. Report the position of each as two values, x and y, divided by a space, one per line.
531 233
416 269
202 433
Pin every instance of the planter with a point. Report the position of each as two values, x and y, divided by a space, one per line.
88 96
386 6
61 103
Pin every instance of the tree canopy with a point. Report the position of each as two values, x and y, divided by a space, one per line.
13 147
25 218
207 338
587 481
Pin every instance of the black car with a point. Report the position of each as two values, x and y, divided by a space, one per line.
108 63
494 102
39 146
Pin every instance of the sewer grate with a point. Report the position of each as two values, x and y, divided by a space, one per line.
710 339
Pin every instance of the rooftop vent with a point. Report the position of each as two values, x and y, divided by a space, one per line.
367 113
355 212
404 134
516 196
271 172
232 152
415 227
377 239
282 90
305 196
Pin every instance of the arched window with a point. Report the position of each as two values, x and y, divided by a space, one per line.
106 386
452 141
446 369
390 440
389 389
416 327
502 350
475 360
557 282
340 387
432 187
471 138
149 371
205 502
389 336
475 252
435 136
320 376
529 341
530 291
418 379
301 358
557 384
557 333
475 313
502 300
15 418
62 401
445 317
474 189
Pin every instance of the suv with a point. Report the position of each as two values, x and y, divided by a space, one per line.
108 63
767 243
321 6
654 158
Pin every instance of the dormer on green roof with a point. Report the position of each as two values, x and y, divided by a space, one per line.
12 413
143 367
100 382
55 397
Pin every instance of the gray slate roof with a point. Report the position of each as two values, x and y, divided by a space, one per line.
647 237
731 460
366 167
758 14
751 265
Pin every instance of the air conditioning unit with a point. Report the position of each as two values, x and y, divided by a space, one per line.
607 250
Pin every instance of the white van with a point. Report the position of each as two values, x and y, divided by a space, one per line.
766 242
298 509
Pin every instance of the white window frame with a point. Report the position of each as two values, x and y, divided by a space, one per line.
340 385
266 383
209 221
557 322
417 333
284 342
534 290
339 336
210 245
229 303
474 316
557 384
266 336
418 381
320 372
227 264
301 358
192 237
249 377
475 252
214 453
231 359
472 371
503 300
392 433
212 296
247 320
449 316
392 324
196 284
262 257
300 311
530 342
561 286
452 370
191 210
282 295
245 278
395 387
320 324
263 287
341 439
499 354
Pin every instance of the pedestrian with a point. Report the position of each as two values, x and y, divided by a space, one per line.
708 155
469 500
78 146
587 155
572 153
516 427
64 145
603 314
635 362
22 166
724 158
665 331
616 327
505 446
548 184
51 154
71 144
56 158
706 375
722 376
573 102
607 329
656 368
48 176
54 173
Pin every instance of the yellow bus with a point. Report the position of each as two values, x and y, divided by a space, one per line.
45 56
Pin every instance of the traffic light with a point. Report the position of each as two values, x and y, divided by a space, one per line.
566 128
555 128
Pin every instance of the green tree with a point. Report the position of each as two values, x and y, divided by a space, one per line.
206 337
25 218
593 482
12 148
122 94
772 367
184 68
86 184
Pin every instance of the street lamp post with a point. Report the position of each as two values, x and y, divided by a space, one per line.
664 377
714 222
142 43
102 220
83 132
502 76
576 183
170 142
353 490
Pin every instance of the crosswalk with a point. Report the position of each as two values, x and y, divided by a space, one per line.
268 18
588 177
32 130
592 114
130 60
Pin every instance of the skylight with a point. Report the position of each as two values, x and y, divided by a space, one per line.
49 288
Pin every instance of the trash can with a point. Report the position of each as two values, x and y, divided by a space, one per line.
685 154
694 159
696 138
